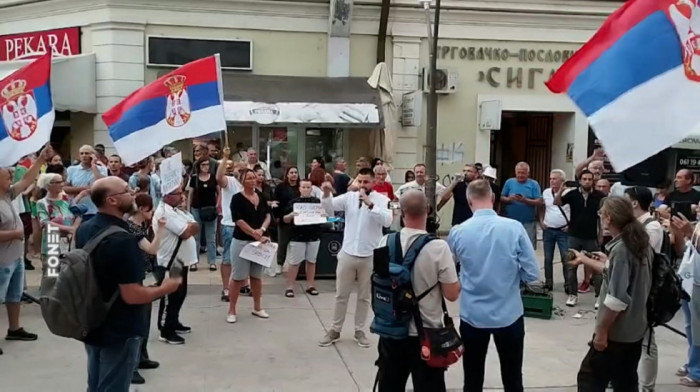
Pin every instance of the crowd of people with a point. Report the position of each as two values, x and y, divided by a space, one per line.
229 200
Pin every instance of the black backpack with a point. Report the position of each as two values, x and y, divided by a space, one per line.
666 292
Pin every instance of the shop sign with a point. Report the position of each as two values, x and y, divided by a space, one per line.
691 142
689 160
264 114
61 42
515 77
523 55
411 109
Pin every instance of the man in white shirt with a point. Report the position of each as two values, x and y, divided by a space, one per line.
180 226
554 221
253 161
419 183
225 177
366 213
641 198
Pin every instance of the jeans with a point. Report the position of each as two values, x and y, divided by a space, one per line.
110 369
399 359
693 364
226 239
616 365
550 239
209 230
531 229
509 344
143 353
12 282
596 279
170 305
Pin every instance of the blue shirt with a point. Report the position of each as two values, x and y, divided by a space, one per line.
521 212
495 254
154 185
78 175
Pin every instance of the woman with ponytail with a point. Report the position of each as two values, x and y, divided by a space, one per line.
622 318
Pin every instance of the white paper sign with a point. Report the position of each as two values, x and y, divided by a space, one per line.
260 253
309 214
171 174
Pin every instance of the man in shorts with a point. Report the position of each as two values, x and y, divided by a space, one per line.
303 244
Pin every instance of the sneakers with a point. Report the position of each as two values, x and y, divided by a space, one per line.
682 371
137 379
182 329
171 337
330 338
260 313
231 318
21 334
212 267
585 287
224 296
572 300
28 265
361 339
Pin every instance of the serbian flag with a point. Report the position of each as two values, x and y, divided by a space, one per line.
27 111
185 103
638 79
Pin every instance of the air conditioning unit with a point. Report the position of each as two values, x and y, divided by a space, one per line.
446 81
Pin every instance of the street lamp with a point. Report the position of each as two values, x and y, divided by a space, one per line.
431 131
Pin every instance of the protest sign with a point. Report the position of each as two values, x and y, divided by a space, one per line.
309 214
171 174
260 253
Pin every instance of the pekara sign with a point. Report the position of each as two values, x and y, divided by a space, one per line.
25 46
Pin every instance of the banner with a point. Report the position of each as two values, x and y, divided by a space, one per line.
309 214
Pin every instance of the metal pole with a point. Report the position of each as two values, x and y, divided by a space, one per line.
431 132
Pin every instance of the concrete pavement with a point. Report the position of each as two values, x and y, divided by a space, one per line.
281 353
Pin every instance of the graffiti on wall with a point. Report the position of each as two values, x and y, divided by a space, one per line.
451 153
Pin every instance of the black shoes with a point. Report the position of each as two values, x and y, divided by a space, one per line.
182 329
224 296
28 265
245 290
171 337
148 364
137 379
193 267
21 334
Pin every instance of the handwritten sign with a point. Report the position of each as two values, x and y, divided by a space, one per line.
309 214
260 253
171 174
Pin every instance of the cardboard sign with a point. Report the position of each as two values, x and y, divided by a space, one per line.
260 253
309 214
171 171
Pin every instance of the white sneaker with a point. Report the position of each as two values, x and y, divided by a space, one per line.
231 318
572 301
596 306
260 313
278 269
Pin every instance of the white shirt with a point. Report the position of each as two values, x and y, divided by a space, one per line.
439 189
654 230
227 193
316 192
553 218
176 224
363 227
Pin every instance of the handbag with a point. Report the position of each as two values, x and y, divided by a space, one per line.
440 347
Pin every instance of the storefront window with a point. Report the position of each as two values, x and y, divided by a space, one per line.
326 143
282 144
240 139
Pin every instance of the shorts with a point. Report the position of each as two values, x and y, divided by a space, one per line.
26 218
302 251
12 282
242 268
227 238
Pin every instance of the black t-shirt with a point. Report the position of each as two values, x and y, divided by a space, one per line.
342 181
461 211
692 197
243 209
204 194
143 232
304 233
584 213
116 260
496 190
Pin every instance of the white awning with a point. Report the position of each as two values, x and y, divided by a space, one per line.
72 81
691 142
302 113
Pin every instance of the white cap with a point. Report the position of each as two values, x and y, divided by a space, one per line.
490 172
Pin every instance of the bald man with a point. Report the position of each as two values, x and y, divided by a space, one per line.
12 246
80 177
603 186
684 192
113 350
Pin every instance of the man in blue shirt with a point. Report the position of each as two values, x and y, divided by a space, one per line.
495 256
521 196
80 177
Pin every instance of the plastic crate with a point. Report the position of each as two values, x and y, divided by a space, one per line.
538 305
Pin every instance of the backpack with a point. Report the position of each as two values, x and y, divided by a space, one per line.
666 246
666 292
71 302
393 299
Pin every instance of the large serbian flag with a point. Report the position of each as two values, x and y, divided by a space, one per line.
638 79
185 103
27 111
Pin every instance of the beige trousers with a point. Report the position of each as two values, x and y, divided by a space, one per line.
351 269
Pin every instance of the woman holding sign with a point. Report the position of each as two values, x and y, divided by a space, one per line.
304 241
251 214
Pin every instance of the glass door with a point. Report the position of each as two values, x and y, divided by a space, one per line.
279 148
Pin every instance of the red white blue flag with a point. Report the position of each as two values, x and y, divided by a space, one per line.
638 79
27 111
185 103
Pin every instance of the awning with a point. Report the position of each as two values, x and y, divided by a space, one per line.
691 142
72 81
300 100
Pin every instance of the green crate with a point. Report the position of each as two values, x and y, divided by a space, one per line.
538 305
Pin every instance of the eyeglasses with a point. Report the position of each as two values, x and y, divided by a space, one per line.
57 183
118 194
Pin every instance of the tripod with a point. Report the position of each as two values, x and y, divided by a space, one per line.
26 297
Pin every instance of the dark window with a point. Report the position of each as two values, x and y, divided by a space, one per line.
180 51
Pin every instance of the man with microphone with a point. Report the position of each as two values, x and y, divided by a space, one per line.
366 213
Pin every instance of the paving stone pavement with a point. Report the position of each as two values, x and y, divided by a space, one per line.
281 353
